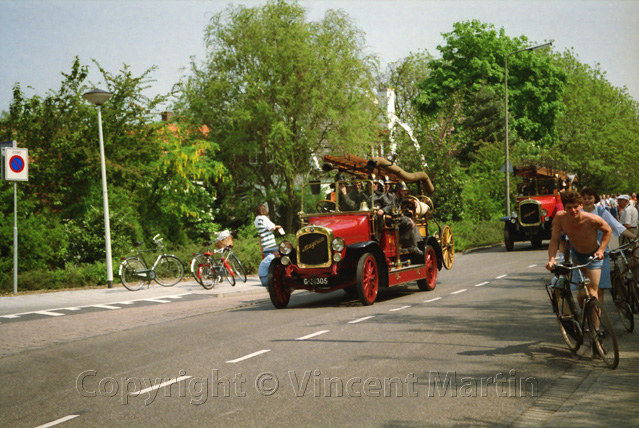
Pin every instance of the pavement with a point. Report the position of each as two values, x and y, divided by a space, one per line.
586 395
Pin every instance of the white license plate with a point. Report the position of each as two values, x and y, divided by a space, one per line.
315 281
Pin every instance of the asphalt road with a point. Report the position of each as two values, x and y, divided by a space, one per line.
482 350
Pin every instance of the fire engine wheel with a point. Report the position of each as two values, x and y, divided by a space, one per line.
430 282
508 240
279 293
448 247
367 279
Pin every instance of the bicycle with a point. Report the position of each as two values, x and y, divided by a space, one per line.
167 270
208 270
624 290
573 323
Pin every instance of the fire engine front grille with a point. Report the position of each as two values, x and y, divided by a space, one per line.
530 213
313 249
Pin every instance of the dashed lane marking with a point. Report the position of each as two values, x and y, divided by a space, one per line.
361 319
399 309
49 313
481 283
157 300
58 421
501 276
432 300
246 357
532 266
317 333
163 384
106 307
459 291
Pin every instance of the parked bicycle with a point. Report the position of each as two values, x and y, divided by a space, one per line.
574 323
167 270
211 267
624 288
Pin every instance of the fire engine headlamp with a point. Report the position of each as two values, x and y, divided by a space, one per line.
285 260
286 248
338 244
337 257
544 213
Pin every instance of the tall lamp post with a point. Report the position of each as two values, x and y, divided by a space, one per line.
99 97
507 163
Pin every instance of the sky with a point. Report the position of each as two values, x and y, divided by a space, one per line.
39 39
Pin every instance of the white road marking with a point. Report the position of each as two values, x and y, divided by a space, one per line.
481 283
106 307
459 291
501 276
157 300
246 357
74 308
10 316
361 319
58 421
317 333
175 296
163 384
432 300
128 302
532 266
49 313
398 309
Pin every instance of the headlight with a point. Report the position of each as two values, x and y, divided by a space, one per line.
286 248
544 213
337 257
285 261
338 244
514 214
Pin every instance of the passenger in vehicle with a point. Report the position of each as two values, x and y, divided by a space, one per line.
408 234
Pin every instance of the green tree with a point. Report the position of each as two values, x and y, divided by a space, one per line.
276 90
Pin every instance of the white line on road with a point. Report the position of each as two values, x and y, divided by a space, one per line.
51 314
432 300
246 357
74 308
128 302
481 283
361 319
10 316
398 309
532 266
459 291
157 300
58 421
501 276
317 333
106 307
163 384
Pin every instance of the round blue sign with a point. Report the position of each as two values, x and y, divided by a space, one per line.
16 163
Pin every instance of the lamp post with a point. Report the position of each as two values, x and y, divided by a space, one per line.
99 97
507 163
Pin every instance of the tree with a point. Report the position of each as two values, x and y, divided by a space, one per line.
472 65
276 90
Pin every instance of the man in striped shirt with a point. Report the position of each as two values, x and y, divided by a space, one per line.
265 228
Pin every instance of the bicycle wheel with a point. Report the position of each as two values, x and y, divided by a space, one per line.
634 296
169 271
602 335
197 261
230 276
620 296
567 321
237 267
130 276
207 276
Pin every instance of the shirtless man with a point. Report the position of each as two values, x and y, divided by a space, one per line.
581 228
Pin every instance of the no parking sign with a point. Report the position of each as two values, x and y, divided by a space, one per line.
16 164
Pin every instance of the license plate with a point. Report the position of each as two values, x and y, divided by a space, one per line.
315 281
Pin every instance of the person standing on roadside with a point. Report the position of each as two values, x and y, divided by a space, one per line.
265 228
628 216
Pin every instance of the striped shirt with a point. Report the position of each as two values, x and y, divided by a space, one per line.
267 238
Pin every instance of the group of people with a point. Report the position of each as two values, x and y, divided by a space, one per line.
611 204
588 225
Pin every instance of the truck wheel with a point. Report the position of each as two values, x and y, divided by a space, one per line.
279 293
367 279
508 238
430 260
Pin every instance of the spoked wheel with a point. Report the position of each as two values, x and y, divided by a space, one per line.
508 238
280 294
169 271
448 247
620 297
130 274
430 260
602 335
209 275
230 276
198 261
634 297
568 324
367 279
237 267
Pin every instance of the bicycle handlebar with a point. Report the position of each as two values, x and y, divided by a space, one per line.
625 247
563 269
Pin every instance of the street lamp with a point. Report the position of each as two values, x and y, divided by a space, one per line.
99 97
507 163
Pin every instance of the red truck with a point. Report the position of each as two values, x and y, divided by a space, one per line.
537 203
351 247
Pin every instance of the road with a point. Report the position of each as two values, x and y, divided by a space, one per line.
482 350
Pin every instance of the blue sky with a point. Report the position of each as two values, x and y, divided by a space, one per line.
40 38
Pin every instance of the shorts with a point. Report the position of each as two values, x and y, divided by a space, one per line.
582 259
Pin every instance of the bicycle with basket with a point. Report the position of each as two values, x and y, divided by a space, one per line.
210 268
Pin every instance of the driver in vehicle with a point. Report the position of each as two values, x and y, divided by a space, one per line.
408 234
